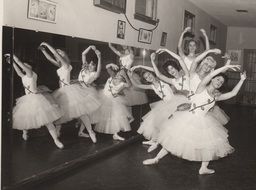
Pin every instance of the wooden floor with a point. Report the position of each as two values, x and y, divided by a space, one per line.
124 169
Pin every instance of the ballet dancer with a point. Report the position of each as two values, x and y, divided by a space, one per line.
34 109
74 100
192 134
113 114
192 47
133 96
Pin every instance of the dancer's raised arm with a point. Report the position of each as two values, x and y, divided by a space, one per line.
201 57
97 52
48 56
142 86
84 53
209 77
174 55
157 72
235 90
16 68
207 44
180 48
114 50
55 53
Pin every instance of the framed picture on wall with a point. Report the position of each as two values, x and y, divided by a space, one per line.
189 21
120 29
43 10
163 39
213 34
235 56
145 36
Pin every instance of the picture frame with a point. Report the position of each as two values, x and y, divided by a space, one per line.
163 39
121 25
189 21
213 34
145 36
235 56
43 10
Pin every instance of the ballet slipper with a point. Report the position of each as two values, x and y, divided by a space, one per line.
82 134
58 144
93 136
152 147
205 170
150 161
148 142
25 136
117 137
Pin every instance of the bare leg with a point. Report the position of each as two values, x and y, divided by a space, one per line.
58 128
163 152
86 122
117 137
81 132
153 147
150 142
204 169
25 134
52 130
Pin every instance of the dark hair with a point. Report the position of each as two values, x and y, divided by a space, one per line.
142 79
225 77
171 62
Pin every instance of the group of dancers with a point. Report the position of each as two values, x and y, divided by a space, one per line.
185 122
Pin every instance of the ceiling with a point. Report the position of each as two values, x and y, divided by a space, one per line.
225 11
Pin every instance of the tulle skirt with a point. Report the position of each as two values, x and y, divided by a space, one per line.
113 116
195 137
161 110
75 101
35 110
134 96
219 114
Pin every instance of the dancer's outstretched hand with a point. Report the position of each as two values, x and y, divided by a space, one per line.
93 48
153 56
216 51
203 31
8 58
233 67
161 50
243 75
97 52
187 29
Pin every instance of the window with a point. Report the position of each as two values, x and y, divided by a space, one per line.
117 6
146 10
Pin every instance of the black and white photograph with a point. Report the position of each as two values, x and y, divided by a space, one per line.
128 95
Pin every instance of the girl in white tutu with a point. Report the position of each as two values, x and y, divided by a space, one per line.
113 115
74 100
193 135
33 110
190 57
151 121
134 96
198 72
86 77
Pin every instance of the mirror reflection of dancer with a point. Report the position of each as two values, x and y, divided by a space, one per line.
150 127
193 135
88 74
192 47
74 100
113 115
133 96
35 109
199 71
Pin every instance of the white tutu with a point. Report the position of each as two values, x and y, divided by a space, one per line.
113 116
75 101
219 114
161 110
134 96
195 137
35 110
